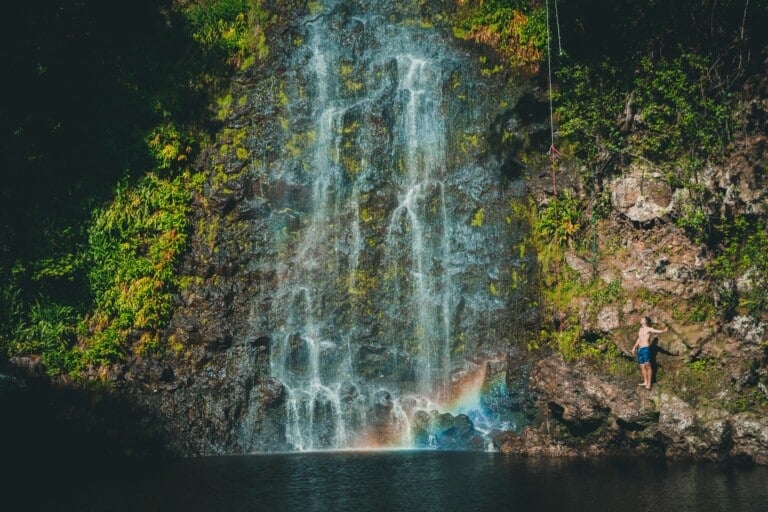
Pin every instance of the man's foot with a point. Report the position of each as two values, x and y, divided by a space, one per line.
648 387
643 384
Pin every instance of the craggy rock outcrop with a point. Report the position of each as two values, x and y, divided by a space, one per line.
302 299
446 432
214 393
711 392
641 195
582 414
579 413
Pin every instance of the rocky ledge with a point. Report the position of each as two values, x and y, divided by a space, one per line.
584 414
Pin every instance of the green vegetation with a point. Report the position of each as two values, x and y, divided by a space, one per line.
96 145
103 120
134 245
560 221
516 29
231 30
645 81
657 83
699 380
742 256
684 119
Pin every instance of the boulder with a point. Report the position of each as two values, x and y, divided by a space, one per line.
456 433
749 437
642 196
690 432
608 319
584 403
584 268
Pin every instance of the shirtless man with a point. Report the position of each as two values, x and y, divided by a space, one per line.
643 348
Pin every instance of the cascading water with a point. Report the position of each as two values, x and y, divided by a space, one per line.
386 279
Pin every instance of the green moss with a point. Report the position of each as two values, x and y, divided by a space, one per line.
353 86
298 142
352 166
478 218
362 284
282 97
700 381
602 294
224 105
351 128
469 142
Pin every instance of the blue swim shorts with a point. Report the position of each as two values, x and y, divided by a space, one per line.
643 355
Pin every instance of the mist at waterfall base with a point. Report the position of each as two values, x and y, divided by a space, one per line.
399 481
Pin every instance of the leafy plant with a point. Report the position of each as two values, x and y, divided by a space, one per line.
49 332
229 29
742 255
169 146
681 112
517 31
568 343
135 243
589 99
603 293
694 220
560 220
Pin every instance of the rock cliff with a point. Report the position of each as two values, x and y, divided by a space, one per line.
424 264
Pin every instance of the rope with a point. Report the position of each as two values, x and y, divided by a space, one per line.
553 151
553 154
549 76
593 217
557 23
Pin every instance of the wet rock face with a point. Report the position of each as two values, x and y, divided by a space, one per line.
749 437
446 432
457 432
362 257
352 248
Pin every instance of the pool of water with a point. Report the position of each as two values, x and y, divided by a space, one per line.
398 481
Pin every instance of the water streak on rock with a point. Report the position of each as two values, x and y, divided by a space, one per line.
383 284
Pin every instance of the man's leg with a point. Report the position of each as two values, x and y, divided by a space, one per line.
647 375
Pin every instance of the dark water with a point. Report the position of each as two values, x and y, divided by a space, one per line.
405 481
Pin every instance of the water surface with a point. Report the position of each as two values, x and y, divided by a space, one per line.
412 481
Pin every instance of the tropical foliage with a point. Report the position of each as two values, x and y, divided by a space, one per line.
106 119
648 81
102 121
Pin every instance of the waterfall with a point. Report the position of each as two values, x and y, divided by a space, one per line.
382 291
